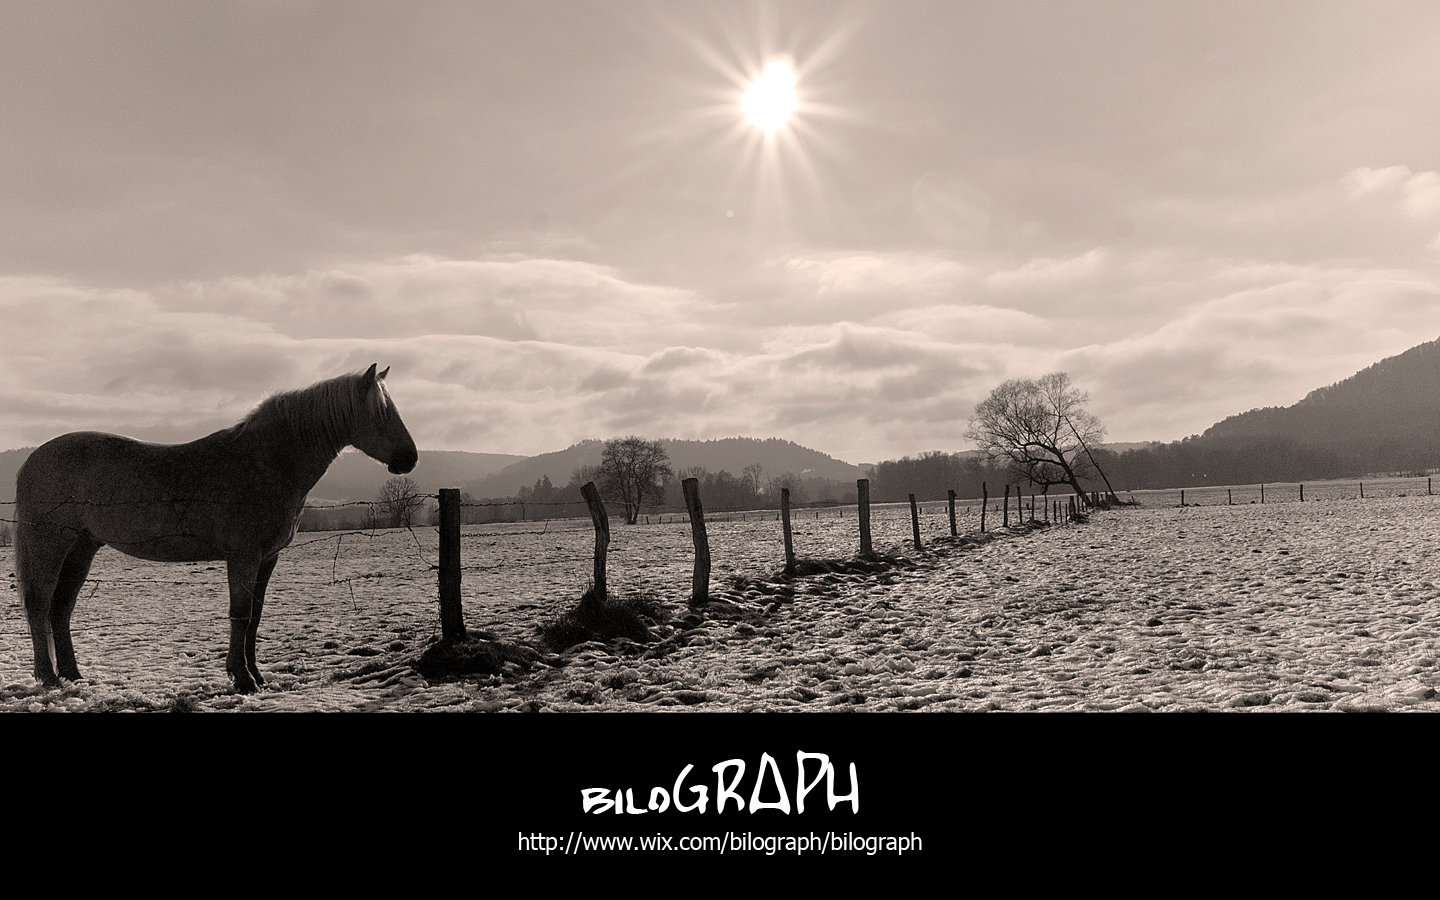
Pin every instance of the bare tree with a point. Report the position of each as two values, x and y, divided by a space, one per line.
400 502
1040 429
788 480
752 477
632 469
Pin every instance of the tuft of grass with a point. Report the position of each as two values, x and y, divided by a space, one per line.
740 582
604 619
479 654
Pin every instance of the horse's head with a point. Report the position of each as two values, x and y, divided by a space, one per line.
378 431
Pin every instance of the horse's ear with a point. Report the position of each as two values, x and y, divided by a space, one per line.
381 376
369 376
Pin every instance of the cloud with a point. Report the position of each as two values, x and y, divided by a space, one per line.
1365 180
859 286
1267 336
878 274
888 353
1422 194
555 300
677 358
972 324
1420 190
1051 274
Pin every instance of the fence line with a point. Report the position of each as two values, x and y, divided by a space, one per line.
1331 490
451 565
451 572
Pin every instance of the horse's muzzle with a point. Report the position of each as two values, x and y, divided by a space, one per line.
403 463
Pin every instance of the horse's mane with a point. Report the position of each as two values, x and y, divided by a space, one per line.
320 415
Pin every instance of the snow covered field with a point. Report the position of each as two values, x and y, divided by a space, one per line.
1328 605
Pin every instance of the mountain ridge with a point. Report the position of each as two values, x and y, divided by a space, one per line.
775 455
1382 417
356 477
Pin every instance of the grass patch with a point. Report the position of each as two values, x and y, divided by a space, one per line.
855 565
604 619
480 654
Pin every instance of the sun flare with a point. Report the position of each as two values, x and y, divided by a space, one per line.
767 103
770 100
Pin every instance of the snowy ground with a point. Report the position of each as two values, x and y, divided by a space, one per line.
1329 605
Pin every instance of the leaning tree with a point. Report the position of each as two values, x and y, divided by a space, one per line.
1040 430
633 469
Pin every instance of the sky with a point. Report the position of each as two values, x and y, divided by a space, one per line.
553 221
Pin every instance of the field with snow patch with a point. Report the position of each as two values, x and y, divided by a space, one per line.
1287 606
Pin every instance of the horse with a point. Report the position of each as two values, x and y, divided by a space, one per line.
235 495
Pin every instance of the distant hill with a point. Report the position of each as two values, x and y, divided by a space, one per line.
732 455
1384 417
354 476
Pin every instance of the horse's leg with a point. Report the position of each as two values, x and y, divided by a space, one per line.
67 591
244 609
39 556
262 578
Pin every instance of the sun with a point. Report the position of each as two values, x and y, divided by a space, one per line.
770 99
764 99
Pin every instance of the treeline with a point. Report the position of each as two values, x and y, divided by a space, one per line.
754 490
1193 462
720 490
931 476
363 516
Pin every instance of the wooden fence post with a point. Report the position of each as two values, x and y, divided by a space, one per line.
785 522
915 521
984 505
953 531
1262 493
700 583
1006 521
862 489
602 538
452 615
1302 493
